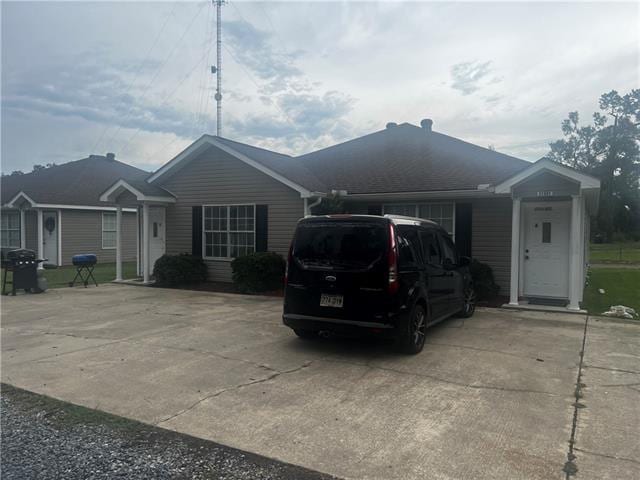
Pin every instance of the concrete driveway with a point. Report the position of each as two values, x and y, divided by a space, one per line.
490 397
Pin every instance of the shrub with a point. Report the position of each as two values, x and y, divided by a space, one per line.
483 280
182 269
258 272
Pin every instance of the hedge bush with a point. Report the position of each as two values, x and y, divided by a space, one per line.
258 272
483 281
182 269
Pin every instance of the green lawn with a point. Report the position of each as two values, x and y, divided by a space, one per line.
621 287
620 252
106 272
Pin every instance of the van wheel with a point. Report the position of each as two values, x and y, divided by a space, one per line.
469 305
414 330
306 334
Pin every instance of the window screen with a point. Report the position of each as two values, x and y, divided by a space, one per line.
108 230
546 232
10 229
229 231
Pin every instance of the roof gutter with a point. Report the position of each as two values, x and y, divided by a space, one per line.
479 193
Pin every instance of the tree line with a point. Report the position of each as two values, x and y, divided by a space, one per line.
608 148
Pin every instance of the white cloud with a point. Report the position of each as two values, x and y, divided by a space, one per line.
302 75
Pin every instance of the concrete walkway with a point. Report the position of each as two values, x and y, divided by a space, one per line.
491 397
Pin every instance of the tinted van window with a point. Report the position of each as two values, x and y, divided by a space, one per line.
340 244
431 248
409 246
448 250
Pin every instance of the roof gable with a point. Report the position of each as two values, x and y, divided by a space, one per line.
282 168
546 165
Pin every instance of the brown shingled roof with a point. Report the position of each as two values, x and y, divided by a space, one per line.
75 183
406 158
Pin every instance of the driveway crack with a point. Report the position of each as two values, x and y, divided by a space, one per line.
235 387
570 468
604 455
444 380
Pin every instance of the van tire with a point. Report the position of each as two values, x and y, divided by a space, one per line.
413 331
469 303
306 334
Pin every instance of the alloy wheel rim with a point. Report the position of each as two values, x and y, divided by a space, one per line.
469 300
419 327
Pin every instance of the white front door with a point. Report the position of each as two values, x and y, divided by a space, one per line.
50 236
546 249
157 240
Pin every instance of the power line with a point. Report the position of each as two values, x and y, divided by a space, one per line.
273 28
147 87
184 79
257 85
139 70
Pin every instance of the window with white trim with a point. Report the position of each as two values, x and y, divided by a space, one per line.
10 229
441 213
108 230
229 230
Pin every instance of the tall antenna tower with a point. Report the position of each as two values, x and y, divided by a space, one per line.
217 69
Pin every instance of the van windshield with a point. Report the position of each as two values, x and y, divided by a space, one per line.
340 244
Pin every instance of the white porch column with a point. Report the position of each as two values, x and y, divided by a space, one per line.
146 264
138 236
118 243
23 229
515 252
575 270
40 238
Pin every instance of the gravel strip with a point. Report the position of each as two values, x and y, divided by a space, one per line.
47 439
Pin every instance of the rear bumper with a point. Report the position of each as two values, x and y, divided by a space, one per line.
337 325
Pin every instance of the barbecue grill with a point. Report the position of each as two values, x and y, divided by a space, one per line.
84 263
24 266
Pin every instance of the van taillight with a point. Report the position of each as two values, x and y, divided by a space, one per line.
286 268
393 260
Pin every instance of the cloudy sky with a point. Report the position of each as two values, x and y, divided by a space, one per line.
134 77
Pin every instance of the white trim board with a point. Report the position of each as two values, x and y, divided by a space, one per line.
124 185
585 181
205 140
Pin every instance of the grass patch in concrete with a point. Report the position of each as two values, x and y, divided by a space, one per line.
621 287
618 252
103 273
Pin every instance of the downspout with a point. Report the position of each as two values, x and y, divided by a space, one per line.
307 207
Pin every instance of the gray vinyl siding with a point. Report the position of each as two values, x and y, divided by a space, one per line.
82 233
545 185
31 229
491 237
215 177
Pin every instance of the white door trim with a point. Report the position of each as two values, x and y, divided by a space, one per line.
59 238
563 223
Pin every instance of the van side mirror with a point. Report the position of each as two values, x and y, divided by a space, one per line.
464 261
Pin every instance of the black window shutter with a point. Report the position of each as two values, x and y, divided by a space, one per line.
196 231
374 210
464 212
262 228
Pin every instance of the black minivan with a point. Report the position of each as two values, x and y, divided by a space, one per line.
389 276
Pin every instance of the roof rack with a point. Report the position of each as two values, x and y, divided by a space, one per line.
407 218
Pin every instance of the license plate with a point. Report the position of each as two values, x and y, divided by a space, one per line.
334 301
